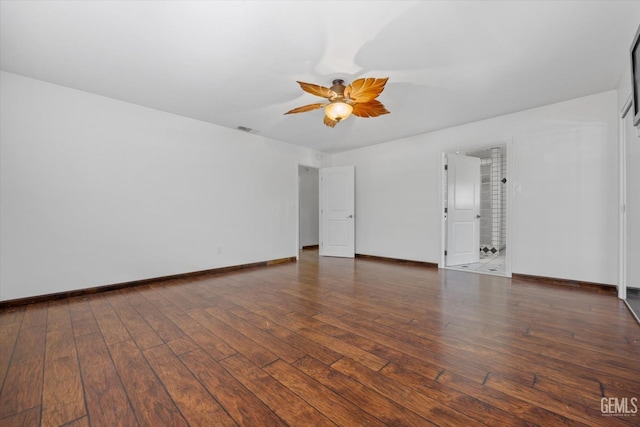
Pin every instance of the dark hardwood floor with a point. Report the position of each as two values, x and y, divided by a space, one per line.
323 342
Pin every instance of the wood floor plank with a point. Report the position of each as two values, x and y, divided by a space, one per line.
565 335
252 303
12 315
144 336
22 387
294 301
30 417
279 348
149 400
344 348
193 400
286 404
386 410
242 344
10 322
403 342
63 396
307 346
530 413
82 319
110 324
243 406
563 350
460 402
8 337
106 400
35 316
595 341
172 335
336 303
582 388
58 315
585 412
335 407
423 404
186 299
511 361
80 422
16 397
215 346
516 351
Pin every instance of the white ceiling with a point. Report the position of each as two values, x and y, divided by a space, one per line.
236 63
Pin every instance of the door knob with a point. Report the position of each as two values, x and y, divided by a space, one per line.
350 216
477 216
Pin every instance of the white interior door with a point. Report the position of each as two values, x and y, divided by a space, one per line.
463 210
337 206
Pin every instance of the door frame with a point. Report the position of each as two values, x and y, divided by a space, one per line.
442 180
349 251
298 203
622 201
298 166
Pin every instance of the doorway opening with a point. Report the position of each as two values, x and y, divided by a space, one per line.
308 207
476 211
326 210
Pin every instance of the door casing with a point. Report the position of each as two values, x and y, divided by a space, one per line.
509 189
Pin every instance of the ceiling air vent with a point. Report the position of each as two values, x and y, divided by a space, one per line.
246 129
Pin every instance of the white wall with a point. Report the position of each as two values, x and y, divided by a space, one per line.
309 206
96 191
564 219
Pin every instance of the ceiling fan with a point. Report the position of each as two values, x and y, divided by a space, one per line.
358 98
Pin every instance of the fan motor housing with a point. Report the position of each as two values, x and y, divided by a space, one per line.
338 87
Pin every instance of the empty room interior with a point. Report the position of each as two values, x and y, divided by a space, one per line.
278 213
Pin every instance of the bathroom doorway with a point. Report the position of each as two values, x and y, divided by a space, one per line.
489 219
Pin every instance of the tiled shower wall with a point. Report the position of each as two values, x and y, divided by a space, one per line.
493 201
485 204
503 223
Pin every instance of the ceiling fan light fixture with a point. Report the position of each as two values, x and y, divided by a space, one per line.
338 110
357 98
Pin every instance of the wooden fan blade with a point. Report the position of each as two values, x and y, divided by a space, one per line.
306 108
318 90
365 90
369 109
329 122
